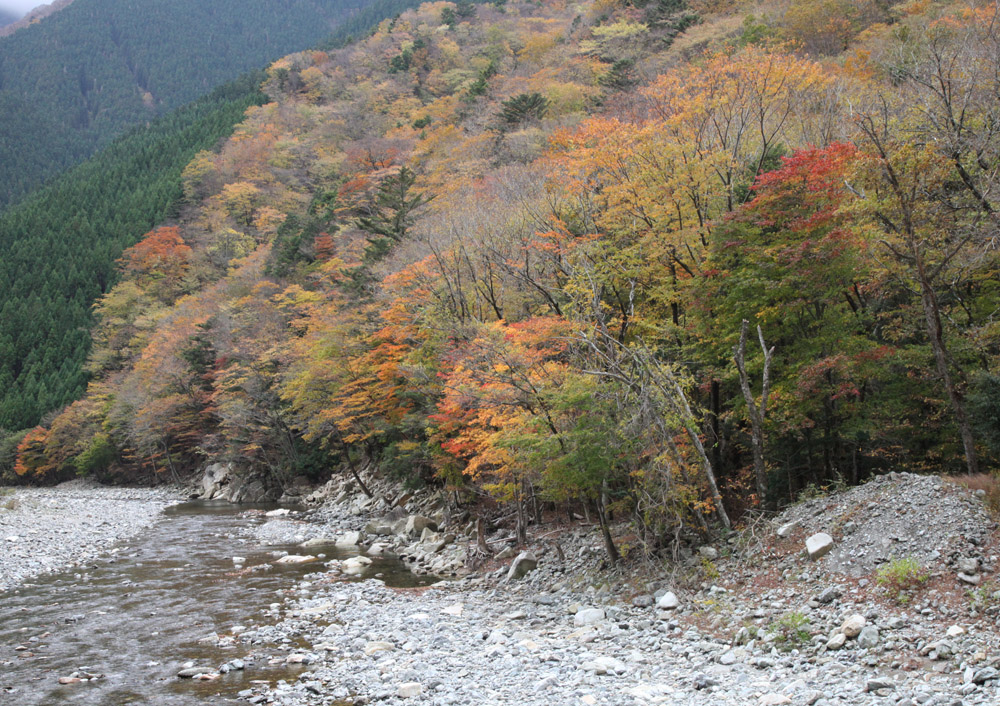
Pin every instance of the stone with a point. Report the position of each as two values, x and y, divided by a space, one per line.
819 545
985 674
668 601
787 528
868 637
588 616
879 683
828 594
774 699
375 647
355 565
280 512
605 665
836 642
350 539
296 559
416 524
853 625
69 680
192 672
971 579
968 565
214 480
317 542
379 528
643 601
955 631
409 690
522 565
506 554
707 552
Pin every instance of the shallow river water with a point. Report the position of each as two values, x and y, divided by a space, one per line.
139 618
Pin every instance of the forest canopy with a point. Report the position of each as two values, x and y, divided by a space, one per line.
652 259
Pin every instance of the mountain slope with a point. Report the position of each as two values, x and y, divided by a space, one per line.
88 216
71 82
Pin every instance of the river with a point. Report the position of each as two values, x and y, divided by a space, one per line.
139 617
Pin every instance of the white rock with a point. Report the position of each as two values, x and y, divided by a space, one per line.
296 559
787 528
588 616
378 646
605 665
350 539
668 601
818 545
522 565
409 690
277 513
853 625
955 631
836 642
774 699
355 565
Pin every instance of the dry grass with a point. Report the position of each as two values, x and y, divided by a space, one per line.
989 483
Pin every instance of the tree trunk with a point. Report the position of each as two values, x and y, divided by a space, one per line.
757 413
932 316
481 537
609 543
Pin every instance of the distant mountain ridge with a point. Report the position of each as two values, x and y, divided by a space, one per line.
72 82
9 26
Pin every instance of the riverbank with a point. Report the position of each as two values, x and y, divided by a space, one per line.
52 529
752 620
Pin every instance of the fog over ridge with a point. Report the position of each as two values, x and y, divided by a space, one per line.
19 7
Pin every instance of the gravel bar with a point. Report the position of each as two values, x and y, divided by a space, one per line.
49 529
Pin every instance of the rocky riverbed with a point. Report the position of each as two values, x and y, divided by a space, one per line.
749 620
49 529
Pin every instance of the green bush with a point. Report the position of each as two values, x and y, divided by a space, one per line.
901 578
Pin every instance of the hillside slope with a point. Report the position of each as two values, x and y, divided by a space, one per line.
88 216
73 81
615 258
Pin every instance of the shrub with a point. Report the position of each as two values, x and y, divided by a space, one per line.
901 578
792 629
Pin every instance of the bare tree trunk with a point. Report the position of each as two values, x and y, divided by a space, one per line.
522 517
481 537
757 413
932 316
609 543
354 472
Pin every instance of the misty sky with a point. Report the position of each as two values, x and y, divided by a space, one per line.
19 7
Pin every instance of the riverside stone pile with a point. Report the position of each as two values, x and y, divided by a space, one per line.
720 627
390 523
50 529
897 515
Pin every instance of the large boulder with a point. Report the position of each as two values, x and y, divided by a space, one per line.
350 539
214 480
819 545
416 524
522 565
